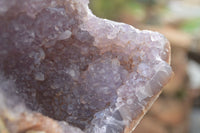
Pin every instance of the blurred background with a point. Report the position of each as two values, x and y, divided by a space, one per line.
178 108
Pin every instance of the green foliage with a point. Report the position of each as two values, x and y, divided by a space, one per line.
135 7
112 9
191 26
107 8
181 94
147 2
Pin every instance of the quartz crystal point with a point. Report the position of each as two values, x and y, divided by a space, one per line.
88 74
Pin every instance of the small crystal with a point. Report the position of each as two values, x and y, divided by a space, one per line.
39 76
65 35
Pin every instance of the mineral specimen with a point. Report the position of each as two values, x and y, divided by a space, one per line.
91 74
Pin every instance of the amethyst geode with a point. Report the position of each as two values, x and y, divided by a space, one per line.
67 64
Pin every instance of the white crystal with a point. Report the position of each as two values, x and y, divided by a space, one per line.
39 76
65 35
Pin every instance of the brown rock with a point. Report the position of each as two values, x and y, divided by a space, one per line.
28 123
170 112
150 125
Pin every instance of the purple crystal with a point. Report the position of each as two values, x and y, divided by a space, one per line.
95 74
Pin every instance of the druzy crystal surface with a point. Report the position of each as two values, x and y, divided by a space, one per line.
93 74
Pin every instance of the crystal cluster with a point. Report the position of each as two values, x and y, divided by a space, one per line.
94 74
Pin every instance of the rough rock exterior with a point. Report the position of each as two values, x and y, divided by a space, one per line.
91 74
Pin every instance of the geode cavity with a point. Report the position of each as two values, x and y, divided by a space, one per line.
67 64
